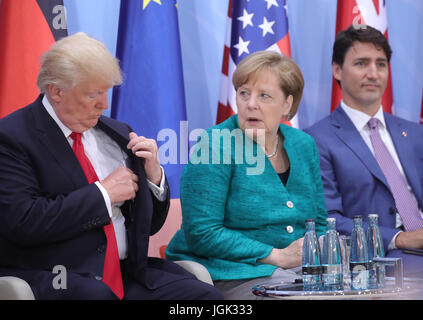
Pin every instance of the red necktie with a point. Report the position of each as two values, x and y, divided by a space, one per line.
112 275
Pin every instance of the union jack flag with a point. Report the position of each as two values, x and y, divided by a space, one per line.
252 25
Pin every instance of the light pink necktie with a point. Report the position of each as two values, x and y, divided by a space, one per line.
404 200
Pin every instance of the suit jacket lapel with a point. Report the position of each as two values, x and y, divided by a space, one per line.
120 135
50 135
404 150
347 132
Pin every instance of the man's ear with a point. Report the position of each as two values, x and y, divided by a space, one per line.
337 71
55 93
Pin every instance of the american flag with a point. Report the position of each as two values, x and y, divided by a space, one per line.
252 25
360 12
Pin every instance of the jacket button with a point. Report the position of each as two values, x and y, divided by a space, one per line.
98 278
290 204
392 210
289 229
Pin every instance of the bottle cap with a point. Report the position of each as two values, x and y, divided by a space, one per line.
373 215
330 219
358 217
309 220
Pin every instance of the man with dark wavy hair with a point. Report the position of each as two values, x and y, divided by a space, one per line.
371 161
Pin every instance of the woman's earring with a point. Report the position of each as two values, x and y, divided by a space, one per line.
288 116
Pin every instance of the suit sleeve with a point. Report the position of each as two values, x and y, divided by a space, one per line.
32 215
160 210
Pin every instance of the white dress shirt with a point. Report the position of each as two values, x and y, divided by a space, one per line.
105 160
360 120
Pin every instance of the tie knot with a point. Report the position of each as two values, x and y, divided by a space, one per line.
373 123
75 136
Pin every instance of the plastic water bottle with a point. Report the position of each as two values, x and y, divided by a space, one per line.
331 258
311 265
375 249
358 256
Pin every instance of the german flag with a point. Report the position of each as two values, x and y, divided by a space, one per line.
27 30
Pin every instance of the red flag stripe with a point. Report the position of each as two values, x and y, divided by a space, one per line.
224 112
225 63
230 9
285 46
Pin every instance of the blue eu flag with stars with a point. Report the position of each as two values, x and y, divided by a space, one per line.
151 99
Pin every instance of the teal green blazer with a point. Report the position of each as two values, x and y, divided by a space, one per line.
232 218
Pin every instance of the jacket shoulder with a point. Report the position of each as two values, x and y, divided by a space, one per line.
403 122
18 121
115 123
320 126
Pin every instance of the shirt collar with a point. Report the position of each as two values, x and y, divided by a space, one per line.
360 119
66 131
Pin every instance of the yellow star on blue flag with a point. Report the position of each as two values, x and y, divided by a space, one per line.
147 2
152 98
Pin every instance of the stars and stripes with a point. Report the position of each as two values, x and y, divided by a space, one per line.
251 26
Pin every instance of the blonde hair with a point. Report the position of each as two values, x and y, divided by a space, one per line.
77 58
291 80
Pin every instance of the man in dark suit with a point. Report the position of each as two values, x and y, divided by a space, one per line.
81 192
371 161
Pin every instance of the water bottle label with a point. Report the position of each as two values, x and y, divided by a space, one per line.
332 277
332 269
312 270
359 275
358 266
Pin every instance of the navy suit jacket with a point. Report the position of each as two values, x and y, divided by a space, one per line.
353 181
50 215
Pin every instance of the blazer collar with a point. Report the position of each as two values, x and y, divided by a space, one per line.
116 133
347 132
52 137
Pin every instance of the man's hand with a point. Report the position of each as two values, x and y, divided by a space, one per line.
121 185
410 239
147 149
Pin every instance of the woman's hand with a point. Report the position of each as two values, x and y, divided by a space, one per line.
286 258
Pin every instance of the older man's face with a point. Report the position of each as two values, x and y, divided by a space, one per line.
80 107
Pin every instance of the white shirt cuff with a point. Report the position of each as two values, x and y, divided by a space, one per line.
392 245
106 198
159 191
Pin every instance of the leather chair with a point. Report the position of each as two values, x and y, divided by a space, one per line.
12 288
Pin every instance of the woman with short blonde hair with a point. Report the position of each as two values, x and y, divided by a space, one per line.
248 228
